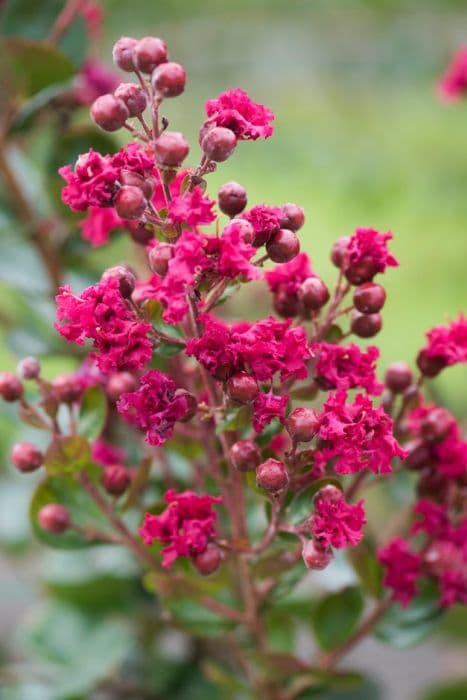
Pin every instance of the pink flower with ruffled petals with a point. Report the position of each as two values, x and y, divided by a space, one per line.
370 248
344 367
289 276
434 519
447 344
186 525
99 224
453 84
92 182
154 407
403 570
192 208
453 586
106 454
234 255
267 406
265 220
236 111
337 523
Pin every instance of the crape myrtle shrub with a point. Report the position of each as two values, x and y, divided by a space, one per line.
229 458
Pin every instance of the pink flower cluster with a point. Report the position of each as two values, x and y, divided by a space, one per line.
267 406
343 367
356 436
101 315
403 568
265 220
155 406
445 455
367 249
336 523
236 111
447 345
186 525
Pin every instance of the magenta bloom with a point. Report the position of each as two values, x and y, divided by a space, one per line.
368 247
453 84
106 454
93 80
155 407
336 523
98 225
265 220
447 345
403 570
186 525
357 436
453 586
236 111
289 276
101 314
434 522
267 406
234 255
344 367
191 208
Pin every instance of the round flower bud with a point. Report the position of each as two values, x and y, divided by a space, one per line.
302 424
369 298
232 198
54 518
124 276
130 202
116 479
146 184
120 383
219 144
171 148
339 250
133 96
285 304
149 53
272 476
313 293
245 455
242 387
109 113
169 79
419 456
29 368
366 325
315 556
26 457
66 388
430 366
398 377
433 485
294 217
283 246
122 53
361 272
192 404
437 424
159 258
139 233
328 493
208 562
246 230
11 389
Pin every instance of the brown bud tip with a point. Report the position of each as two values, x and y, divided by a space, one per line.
122 53
232 198
283 245
171 148
169 79
398 377
149 53
272 476
11 389
315 556
219 144
369 298
245 455
208 562
242 387
294 217
54 518
109 113
26 457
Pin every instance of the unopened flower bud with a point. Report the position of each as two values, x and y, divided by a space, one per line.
109 113
272 476
245 455
283 246
328 493
313 293
339 251
369 298
54 518
430 366
208 562
11 389
232 198
398 377
120 383
29 368
146 184
242 387
315 556
366 325
122 53
149 53
171 148
191 404
140 233
130 202
419 456
26 457
67 388
116 479
219 144
246 230
437 424
133 96
169 79
361 272
159 258
302 424
294 217
433 485
125 278
285 304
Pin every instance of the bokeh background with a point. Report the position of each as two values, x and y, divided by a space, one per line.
361 139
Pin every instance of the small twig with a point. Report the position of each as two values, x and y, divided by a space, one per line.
64 20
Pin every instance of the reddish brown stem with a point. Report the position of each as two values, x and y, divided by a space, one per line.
64 20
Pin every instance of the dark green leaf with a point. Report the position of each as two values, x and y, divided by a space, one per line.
451 691
336 616
92 413
236 419
67 455
196 619
334 334
99 594
369 571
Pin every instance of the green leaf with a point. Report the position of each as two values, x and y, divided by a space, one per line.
153 311
28 67
98 594
236 419
84 512
336 616
196 619
334 334
92 413
451 691
67 455
301 506
403 628
369 571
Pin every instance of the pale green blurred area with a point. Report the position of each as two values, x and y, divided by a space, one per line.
361 137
